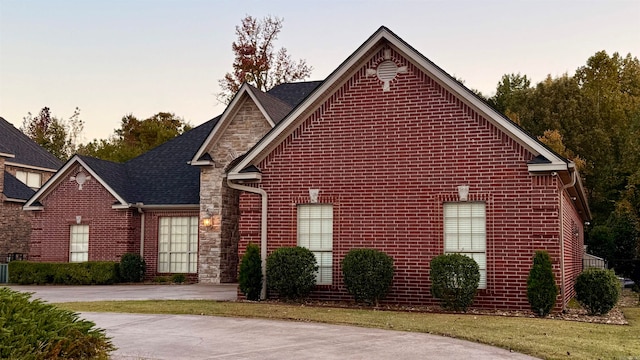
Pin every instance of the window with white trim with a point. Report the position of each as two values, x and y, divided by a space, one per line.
79 243
465 233
31 179
315 232
178 245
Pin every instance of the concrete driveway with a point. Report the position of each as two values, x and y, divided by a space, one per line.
139 336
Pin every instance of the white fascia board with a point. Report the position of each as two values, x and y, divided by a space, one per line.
200 163
245 176
228 113
6 155
32 208
62 172
547 167
156 207
15 200
261 149
29 166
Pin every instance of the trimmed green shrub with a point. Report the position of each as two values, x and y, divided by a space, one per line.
291 271
132 267
33 330
250 276
454 280
178 278
541 284
85 273
597 290
368 274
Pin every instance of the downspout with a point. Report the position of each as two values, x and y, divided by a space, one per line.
562 271
139 206
263 231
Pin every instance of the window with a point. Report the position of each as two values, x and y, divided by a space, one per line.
178 245
79 245
315 232
31 179
465 233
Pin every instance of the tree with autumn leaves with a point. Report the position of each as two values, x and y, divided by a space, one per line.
256 60
592 118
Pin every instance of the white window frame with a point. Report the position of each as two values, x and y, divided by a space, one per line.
79 243
31 179
178 244
315 232
465 233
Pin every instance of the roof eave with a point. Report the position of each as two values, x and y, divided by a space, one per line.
247 176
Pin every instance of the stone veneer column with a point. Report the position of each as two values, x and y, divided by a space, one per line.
210 240
218 247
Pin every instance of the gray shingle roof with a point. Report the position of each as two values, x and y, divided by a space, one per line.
26 151
294 93
16 189
162 176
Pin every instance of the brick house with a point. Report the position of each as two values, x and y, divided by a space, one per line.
24 167
98 210
389 152
392 153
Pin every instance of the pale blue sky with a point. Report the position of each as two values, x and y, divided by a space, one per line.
112 58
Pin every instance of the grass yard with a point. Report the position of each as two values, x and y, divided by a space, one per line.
544 338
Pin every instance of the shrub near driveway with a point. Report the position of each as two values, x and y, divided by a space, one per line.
368 274
291 271
35 330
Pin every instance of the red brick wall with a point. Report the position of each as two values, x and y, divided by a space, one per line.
387 161
573 235
111 232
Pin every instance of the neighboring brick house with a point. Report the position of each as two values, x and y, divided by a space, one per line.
390 152
99 210
24 167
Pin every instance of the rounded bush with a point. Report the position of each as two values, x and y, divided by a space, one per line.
291 271
541 285
250 276
367 274
37 330
597 290
454 280
132 267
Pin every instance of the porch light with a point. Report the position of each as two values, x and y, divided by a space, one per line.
463 192
211 220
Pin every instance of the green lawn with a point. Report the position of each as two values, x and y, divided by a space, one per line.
551 339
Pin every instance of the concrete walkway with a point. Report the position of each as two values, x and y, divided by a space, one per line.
139 336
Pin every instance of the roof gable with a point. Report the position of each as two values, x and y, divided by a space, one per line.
23 151
276 109
384 37
103 168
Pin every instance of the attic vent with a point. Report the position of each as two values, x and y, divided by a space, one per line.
386 72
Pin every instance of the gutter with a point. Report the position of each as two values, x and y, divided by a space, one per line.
139 206
263 231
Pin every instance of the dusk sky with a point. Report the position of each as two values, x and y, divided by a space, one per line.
112 58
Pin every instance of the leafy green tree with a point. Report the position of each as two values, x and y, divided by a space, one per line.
136 137
56 135
593 118
257 62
